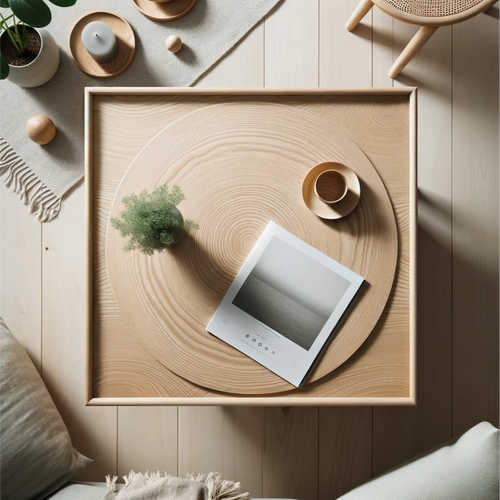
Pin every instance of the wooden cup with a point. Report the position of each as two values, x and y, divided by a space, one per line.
330 186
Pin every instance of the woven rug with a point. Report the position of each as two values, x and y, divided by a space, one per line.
42 175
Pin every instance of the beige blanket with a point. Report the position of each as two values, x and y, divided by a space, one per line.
153 486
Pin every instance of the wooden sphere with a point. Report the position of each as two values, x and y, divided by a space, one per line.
173 43
40 129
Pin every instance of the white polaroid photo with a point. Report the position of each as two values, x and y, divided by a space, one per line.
285 303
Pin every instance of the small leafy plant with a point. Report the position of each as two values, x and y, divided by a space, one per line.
152 221
34 13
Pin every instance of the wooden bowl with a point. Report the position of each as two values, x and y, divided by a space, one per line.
321 208
330 186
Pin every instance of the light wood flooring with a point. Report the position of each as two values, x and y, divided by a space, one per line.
307 453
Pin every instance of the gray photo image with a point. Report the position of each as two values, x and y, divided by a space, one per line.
291 293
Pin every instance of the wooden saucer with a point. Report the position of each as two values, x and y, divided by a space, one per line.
164 11
335 210
124 37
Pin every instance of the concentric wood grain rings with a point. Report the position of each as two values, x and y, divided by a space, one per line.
241 165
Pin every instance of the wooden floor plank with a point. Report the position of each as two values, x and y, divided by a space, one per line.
227 440
475 221
345 449
290 461
147 439
291 449
242 67
21 273
383 48
401 433
345 58
345 434
223 439
226 451
92 429
291 45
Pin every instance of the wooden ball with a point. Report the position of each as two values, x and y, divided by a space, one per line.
40 129
173 43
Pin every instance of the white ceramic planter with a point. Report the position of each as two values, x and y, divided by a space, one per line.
40 70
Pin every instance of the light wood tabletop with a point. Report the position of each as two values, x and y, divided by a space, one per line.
232 154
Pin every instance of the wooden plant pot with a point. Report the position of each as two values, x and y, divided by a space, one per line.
41 69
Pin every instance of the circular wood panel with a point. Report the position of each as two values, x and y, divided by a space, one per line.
241 165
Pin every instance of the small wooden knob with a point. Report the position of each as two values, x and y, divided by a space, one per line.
40 129
173 43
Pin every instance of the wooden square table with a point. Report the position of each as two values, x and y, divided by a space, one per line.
240 157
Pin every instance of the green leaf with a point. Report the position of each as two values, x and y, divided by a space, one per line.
4 68
33 12
63 3
4 4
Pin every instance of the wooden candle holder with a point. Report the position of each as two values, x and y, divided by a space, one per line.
124 36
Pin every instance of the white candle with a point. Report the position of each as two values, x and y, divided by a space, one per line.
98 38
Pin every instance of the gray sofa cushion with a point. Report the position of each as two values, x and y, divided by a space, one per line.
37 456
80 491
465 468
91 491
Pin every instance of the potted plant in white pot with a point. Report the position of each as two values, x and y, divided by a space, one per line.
29 56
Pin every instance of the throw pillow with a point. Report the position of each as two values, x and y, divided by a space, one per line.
37 456
465 468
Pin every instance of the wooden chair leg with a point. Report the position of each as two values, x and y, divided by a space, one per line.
414 45
361 10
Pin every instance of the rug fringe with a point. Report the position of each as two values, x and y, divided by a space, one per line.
111 483
129 477
42 202
218 488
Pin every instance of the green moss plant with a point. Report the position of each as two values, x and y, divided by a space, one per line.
152 221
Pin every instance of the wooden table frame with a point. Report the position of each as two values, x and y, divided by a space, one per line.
251 400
